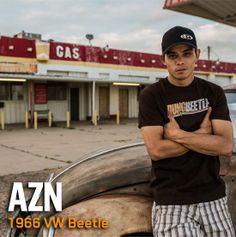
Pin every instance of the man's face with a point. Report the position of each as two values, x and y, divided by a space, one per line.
180 62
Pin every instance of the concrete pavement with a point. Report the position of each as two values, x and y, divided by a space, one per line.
25 150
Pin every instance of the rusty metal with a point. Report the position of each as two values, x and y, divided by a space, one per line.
217 10
228 166
17 67
120 221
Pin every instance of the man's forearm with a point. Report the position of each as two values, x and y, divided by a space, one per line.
167 149
204 143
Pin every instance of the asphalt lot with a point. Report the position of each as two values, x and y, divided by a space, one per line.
24 150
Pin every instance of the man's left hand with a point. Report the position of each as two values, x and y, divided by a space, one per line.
171 129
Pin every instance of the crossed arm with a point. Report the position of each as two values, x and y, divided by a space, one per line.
212 138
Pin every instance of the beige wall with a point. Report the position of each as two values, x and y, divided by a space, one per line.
14 111
114 99
58 109
133 103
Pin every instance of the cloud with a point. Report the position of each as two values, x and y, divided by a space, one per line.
215 33
122 24
146 40
220 38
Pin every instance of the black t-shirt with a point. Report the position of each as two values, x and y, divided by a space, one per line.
192 177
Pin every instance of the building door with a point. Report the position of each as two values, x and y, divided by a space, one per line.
104 102
124 103
74 103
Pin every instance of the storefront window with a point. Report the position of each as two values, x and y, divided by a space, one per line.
57 92
10 91
3 92
17 92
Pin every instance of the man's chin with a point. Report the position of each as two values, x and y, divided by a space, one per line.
181 78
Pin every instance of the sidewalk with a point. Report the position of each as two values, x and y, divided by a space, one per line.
25 150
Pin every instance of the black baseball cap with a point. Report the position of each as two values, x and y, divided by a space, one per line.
177 35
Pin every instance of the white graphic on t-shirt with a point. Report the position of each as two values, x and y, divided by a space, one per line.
188 107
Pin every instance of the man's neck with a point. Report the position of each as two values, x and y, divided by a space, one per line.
180 82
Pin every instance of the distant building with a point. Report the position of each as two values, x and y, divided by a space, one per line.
61 77
27 35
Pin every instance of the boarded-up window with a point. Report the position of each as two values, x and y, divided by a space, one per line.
57 91
17 92
11 91
3 92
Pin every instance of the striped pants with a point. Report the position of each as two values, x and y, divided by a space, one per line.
208 219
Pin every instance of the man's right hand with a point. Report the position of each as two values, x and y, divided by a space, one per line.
206 126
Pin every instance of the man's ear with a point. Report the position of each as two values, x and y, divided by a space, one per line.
198 51
163 59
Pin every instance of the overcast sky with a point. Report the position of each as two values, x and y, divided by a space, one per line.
136 25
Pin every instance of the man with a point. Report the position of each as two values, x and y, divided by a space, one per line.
185 124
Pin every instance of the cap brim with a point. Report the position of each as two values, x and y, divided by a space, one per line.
173 45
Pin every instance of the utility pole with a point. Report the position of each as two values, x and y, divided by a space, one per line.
209 52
